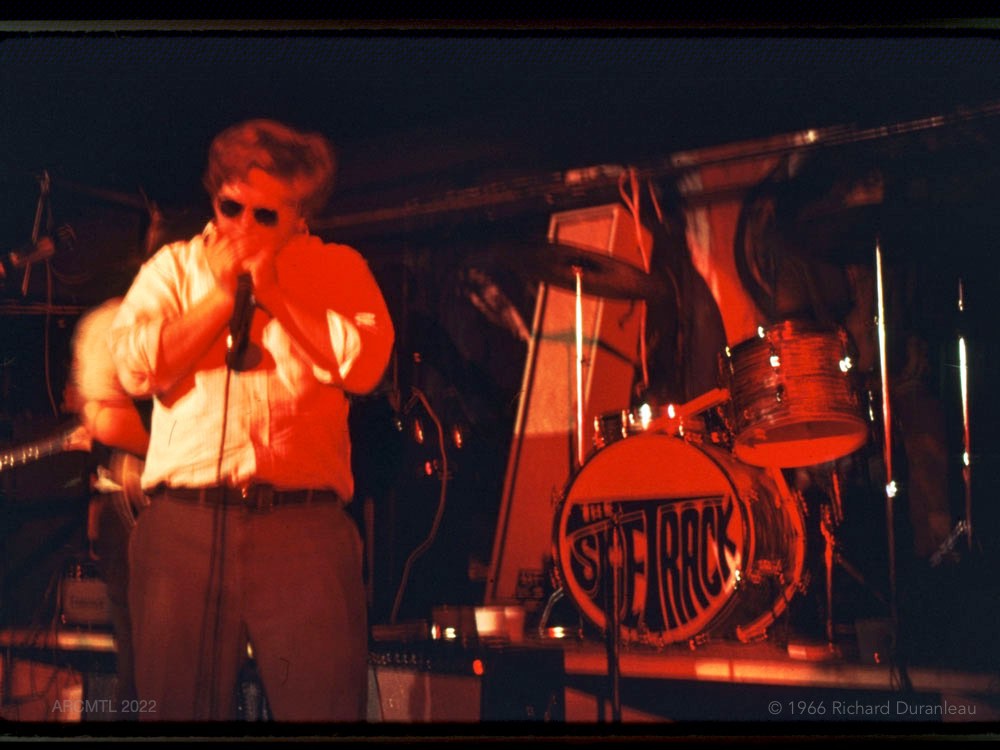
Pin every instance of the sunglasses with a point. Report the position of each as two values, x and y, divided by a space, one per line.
266 217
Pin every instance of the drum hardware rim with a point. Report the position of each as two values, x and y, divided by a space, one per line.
777 421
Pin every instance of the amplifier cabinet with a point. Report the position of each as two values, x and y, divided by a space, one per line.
450 683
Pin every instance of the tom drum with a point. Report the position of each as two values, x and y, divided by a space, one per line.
793 400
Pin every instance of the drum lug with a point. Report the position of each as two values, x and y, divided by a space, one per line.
699 640
803 585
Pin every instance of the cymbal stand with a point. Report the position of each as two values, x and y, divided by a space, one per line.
45 185
963 373
964 525
580 445
890 486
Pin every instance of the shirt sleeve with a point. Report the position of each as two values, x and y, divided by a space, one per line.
93 371
357 320
135 333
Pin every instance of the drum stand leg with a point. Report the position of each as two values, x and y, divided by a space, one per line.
826 527
833 557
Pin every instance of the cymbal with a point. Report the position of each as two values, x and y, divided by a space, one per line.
601 275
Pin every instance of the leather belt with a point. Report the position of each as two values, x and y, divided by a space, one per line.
254 497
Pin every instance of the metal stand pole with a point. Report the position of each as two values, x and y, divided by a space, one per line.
612 617
580 449
966 443
828 556
890 486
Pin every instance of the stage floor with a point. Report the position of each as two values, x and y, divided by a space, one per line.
765 682
945 668
712 682
569 681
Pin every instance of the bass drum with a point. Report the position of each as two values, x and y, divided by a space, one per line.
707 547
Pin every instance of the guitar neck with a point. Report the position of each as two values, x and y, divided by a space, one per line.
75 438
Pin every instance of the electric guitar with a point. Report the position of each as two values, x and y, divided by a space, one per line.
119 479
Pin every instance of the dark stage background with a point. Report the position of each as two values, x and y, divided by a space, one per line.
456 149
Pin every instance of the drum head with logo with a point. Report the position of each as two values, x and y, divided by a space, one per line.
698 543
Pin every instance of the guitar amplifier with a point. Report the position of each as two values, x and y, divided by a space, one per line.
83 596
453 683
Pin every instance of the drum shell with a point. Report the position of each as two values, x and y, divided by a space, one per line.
794 400
710 548
610 427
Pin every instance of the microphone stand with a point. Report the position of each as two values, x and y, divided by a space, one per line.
890 486
612 629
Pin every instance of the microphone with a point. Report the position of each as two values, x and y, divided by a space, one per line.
240 353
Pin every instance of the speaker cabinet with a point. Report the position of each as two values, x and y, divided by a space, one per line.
447 683
545 448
